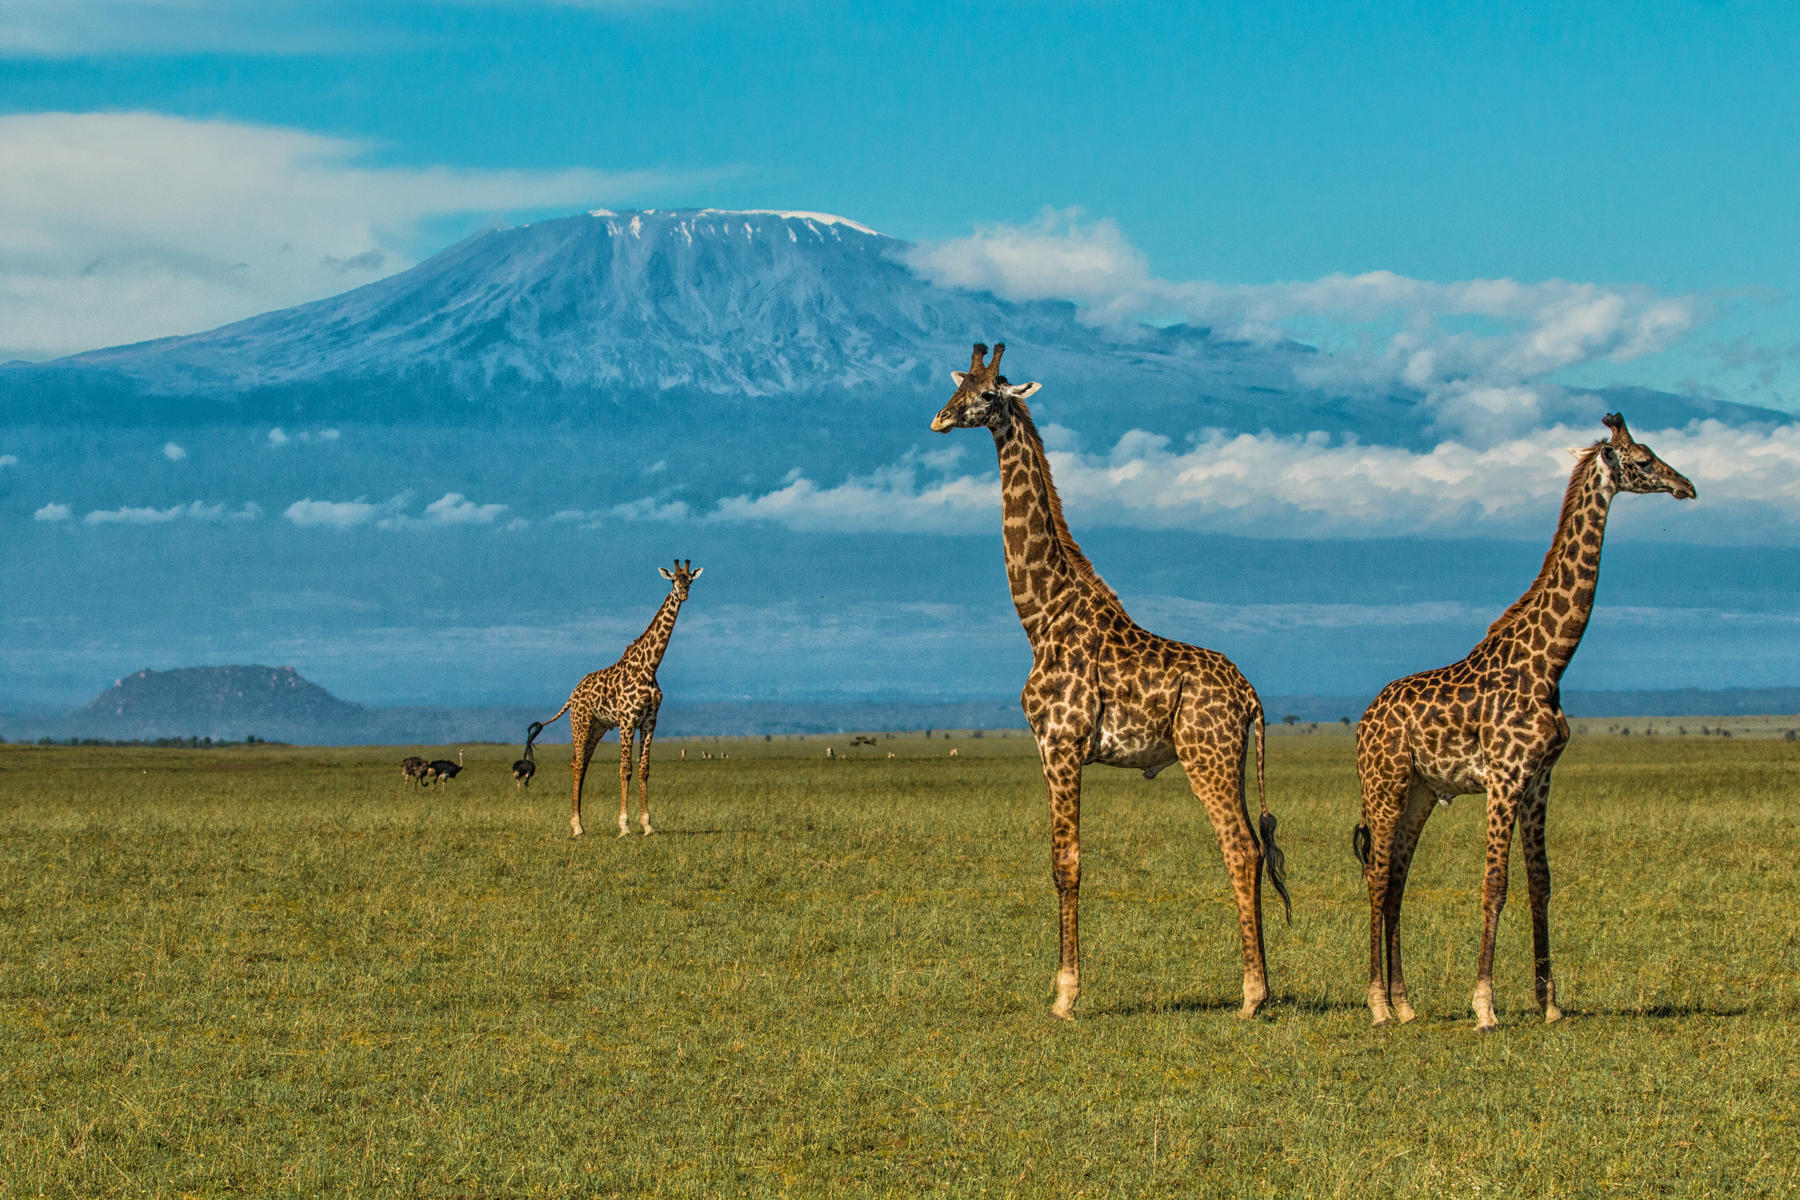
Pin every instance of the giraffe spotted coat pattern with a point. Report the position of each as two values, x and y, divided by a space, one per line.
1491 723
1104 690
625 697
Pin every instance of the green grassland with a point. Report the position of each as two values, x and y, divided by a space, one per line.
278 971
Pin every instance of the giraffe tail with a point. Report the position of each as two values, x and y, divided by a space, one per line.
1273 859
537 727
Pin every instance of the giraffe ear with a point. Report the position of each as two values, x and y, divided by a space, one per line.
959 376
1024 390
698 571
664 572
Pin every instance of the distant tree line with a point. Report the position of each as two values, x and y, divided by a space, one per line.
161 743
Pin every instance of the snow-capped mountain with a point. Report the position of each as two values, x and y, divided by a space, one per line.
595 313
701 302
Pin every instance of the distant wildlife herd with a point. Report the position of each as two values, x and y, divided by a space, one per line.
1104 690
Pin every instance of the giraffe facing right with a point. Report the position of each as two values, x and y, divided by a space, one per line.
625 697
1491 723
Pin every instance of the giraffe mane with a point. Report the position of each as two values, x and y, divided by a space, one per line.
1584 465
1079 565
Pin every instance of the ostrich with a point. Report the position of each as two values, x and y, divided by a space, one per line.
413 767
523 770
442 769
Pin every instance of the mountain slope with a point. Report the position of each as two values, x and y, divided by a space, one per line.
643 318
219 702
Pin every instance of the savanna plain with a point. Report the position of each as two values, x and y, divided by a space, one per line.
281 971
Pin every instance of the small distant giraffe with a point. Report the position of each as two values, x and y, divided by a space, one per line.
1104 690
1491 723
624 697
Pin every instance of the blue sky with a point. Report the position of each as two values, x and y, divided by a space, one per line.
1471 206
1642 143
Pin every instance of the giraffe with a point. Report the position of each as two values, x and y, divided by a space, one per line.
1491 723
624 697
1104 690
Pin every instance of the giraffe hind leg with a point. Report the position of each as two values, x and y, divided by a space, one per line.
1382 802
1420 801
582 751
1214 761
625 736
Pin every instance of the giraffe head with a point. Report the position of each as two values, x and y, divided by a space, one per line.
1634 467
683 574
983 397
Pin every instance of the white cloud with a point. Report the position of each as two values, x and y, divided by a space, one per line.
8 460
647 509
149 515
117 227
1482 351
1748 480
172 452
53 512
339 514
452 508
278 436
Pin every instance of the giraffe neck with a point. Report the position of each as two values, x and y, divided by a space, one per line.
1549 619
647 652
1044 567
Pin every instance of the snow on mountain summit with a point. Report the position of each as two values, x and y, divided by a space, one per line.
747 302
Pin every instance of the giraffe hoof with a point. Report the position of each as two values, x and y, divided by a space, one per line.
1552 1014
1378 1022
1063 1014
1406 1014
1491 1028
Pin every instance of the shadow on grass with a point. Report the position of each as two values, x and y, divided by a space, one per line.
1663 1011
1276 1006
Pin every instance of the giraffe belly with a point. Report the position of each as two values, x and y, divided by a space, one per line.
1138 750
1453 778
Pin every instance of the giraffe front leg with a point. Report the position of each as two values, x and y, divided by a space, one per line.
649 731
1537 875
1062 778
625 736
1502 809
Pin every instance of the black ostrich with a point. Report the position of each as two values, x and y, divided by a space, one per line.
442 769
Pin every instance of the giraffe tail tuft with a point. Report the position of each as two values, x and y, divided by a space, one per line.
1361 843
537 727
1277 864
1272 857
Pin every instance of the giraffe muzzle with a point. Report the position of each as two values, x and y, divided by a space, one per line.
942 423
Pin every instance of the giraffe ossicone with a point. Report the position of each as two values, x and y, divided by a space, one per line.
1491 723
624 696
1104 690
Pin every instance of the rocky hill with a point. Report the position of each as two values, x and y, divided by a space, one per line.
224 703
